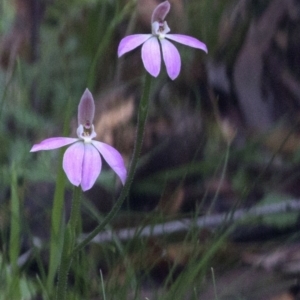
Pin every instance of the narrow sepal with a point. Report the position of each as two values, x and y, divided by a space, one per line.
187 40
160 12
151 56
53 143
131 42
72 163
171 58
113 159
91 166
86 109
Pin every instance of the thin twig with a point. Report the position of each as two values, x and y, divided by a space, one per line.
211 221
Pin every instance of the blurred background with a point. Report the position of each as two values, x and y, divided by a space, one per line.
224 135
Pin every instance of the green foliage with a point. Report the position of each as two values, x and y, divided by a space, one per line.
7 14
205 17
78 44
15 286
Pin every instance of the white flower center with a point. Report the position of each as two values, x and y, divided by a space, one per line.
86 132
160 29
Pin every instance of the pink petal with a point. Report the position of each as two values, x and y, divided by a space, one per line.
72 163
151 56
86 109
160 12
171 58
53 143
187 40
91 166
113 158
130 42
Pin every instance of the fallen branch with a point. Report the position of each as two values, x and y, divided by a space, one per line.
210 221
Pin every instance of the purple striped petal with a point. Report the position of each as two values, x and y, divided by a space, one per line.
171 58
130 42
91 166
113 158
72 163
53 143
151 56
187 40
86 109
160 12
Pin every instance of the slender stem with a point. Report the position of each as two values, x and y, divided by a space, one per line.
214 283
142 116
14 240
221 180
56 225
68 245
64 267
75 211
56 237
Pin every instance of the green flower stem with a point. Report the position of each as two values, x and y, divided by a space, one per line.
56 235
142 117
68 245
221 181
14 241
15 230
56 225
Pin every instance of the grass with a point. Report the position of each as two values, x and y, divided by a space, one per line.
164 267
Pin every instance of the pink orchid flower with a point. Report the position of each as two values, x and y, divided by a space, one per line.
82 160
156 42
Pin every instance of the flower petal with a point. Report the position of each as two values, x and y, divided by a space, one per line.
187 40
53 143
151 56
160 12
171 58
86 109
113 158
91 166
130 42
72 163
